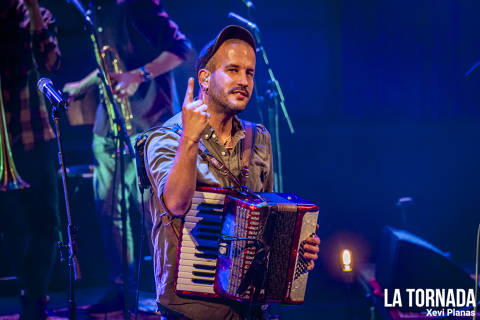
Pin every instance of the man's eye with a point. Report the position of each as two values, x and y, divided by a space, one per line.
233 70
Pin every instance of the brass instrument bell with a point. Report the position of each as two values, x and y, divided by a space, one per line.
9 177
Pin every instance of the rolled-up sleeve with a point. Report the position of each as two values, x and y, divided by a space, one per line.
160 151
154 23
176 42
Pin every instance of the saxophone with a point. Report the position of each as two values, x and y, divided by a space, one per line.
111 63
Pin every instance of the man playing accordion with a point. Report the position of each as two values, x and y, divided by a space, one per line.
225 71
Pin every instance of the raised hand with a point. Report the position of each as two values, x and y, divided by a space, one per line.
194 114
31 3
73 89
36 20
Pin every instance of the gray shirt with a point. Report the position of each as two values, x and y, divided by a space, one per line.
160 151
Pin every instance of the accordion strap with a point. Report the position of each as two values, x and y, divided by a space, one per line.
220 166
248 143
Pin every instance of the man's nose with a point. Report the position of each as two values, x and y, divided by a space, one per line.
243 80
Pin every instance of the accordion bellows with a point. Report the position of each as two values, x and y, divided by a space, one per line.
245 247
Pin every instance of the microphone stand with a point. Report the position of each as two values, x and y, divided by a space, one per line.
122 140
259 99
275 94
71 246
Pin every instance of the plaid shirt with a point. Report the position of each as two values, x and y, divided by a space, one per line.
23 55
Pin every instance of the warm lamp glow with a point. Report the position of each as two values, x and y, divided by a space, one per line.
347 260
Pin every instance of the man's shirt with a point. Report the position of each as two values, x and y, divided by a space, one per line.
21 54
140 31
160 151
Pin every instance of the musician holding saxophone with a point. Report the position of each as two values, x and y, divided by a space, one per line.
147 45
29 218
225 71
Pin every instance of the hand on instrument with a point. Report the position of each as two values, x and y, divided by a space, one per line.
73 89
194 114
311 248
125 84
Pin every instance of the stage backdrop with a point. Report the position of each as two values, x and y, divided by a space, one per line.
378 98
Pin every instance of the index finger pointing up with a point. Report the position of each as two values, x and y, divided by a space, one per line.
189 93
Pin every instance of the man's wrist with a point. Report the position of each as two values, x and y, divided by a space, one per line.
137 76
146 76
190 140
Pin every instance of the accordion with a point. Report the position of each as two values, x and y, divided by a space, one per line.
245 247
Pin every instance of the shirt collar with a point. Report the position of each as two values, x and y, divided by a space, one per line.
237 129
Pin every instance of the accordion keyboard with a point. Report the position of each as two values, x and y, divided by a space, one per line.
198 254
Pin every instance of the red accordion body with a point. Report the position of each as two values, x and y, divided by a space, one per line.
245 247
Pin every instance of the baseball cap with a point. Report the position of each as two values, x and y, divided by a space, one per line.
229 32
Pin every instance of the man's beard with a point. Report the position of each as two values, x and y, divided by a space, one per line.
221 102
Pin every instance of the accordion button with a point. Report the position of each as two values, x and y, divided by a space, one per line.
222 250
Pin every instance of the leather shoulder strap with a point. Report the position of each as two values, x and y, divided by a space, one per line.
248 143
210 158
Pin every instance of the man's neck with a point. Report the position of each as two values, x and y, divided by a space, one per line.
222 124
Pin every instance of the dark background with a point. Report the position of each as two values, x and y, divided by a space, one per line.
377 95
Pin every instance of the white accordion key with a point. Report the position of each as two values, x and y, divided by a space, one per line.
195 288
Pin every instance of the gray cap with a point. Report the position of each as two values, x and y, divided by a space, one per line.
229 32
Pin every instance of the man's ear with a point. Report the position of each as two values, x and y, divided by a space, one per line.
204 79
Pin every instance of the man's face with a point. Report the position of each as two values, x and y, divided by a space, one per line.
231 83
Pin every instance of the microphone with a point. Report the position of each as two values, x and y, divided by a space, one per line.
246 22
45 86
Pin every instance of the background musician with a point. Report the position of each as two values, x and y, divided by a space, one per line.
29 218
225 71
149 45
